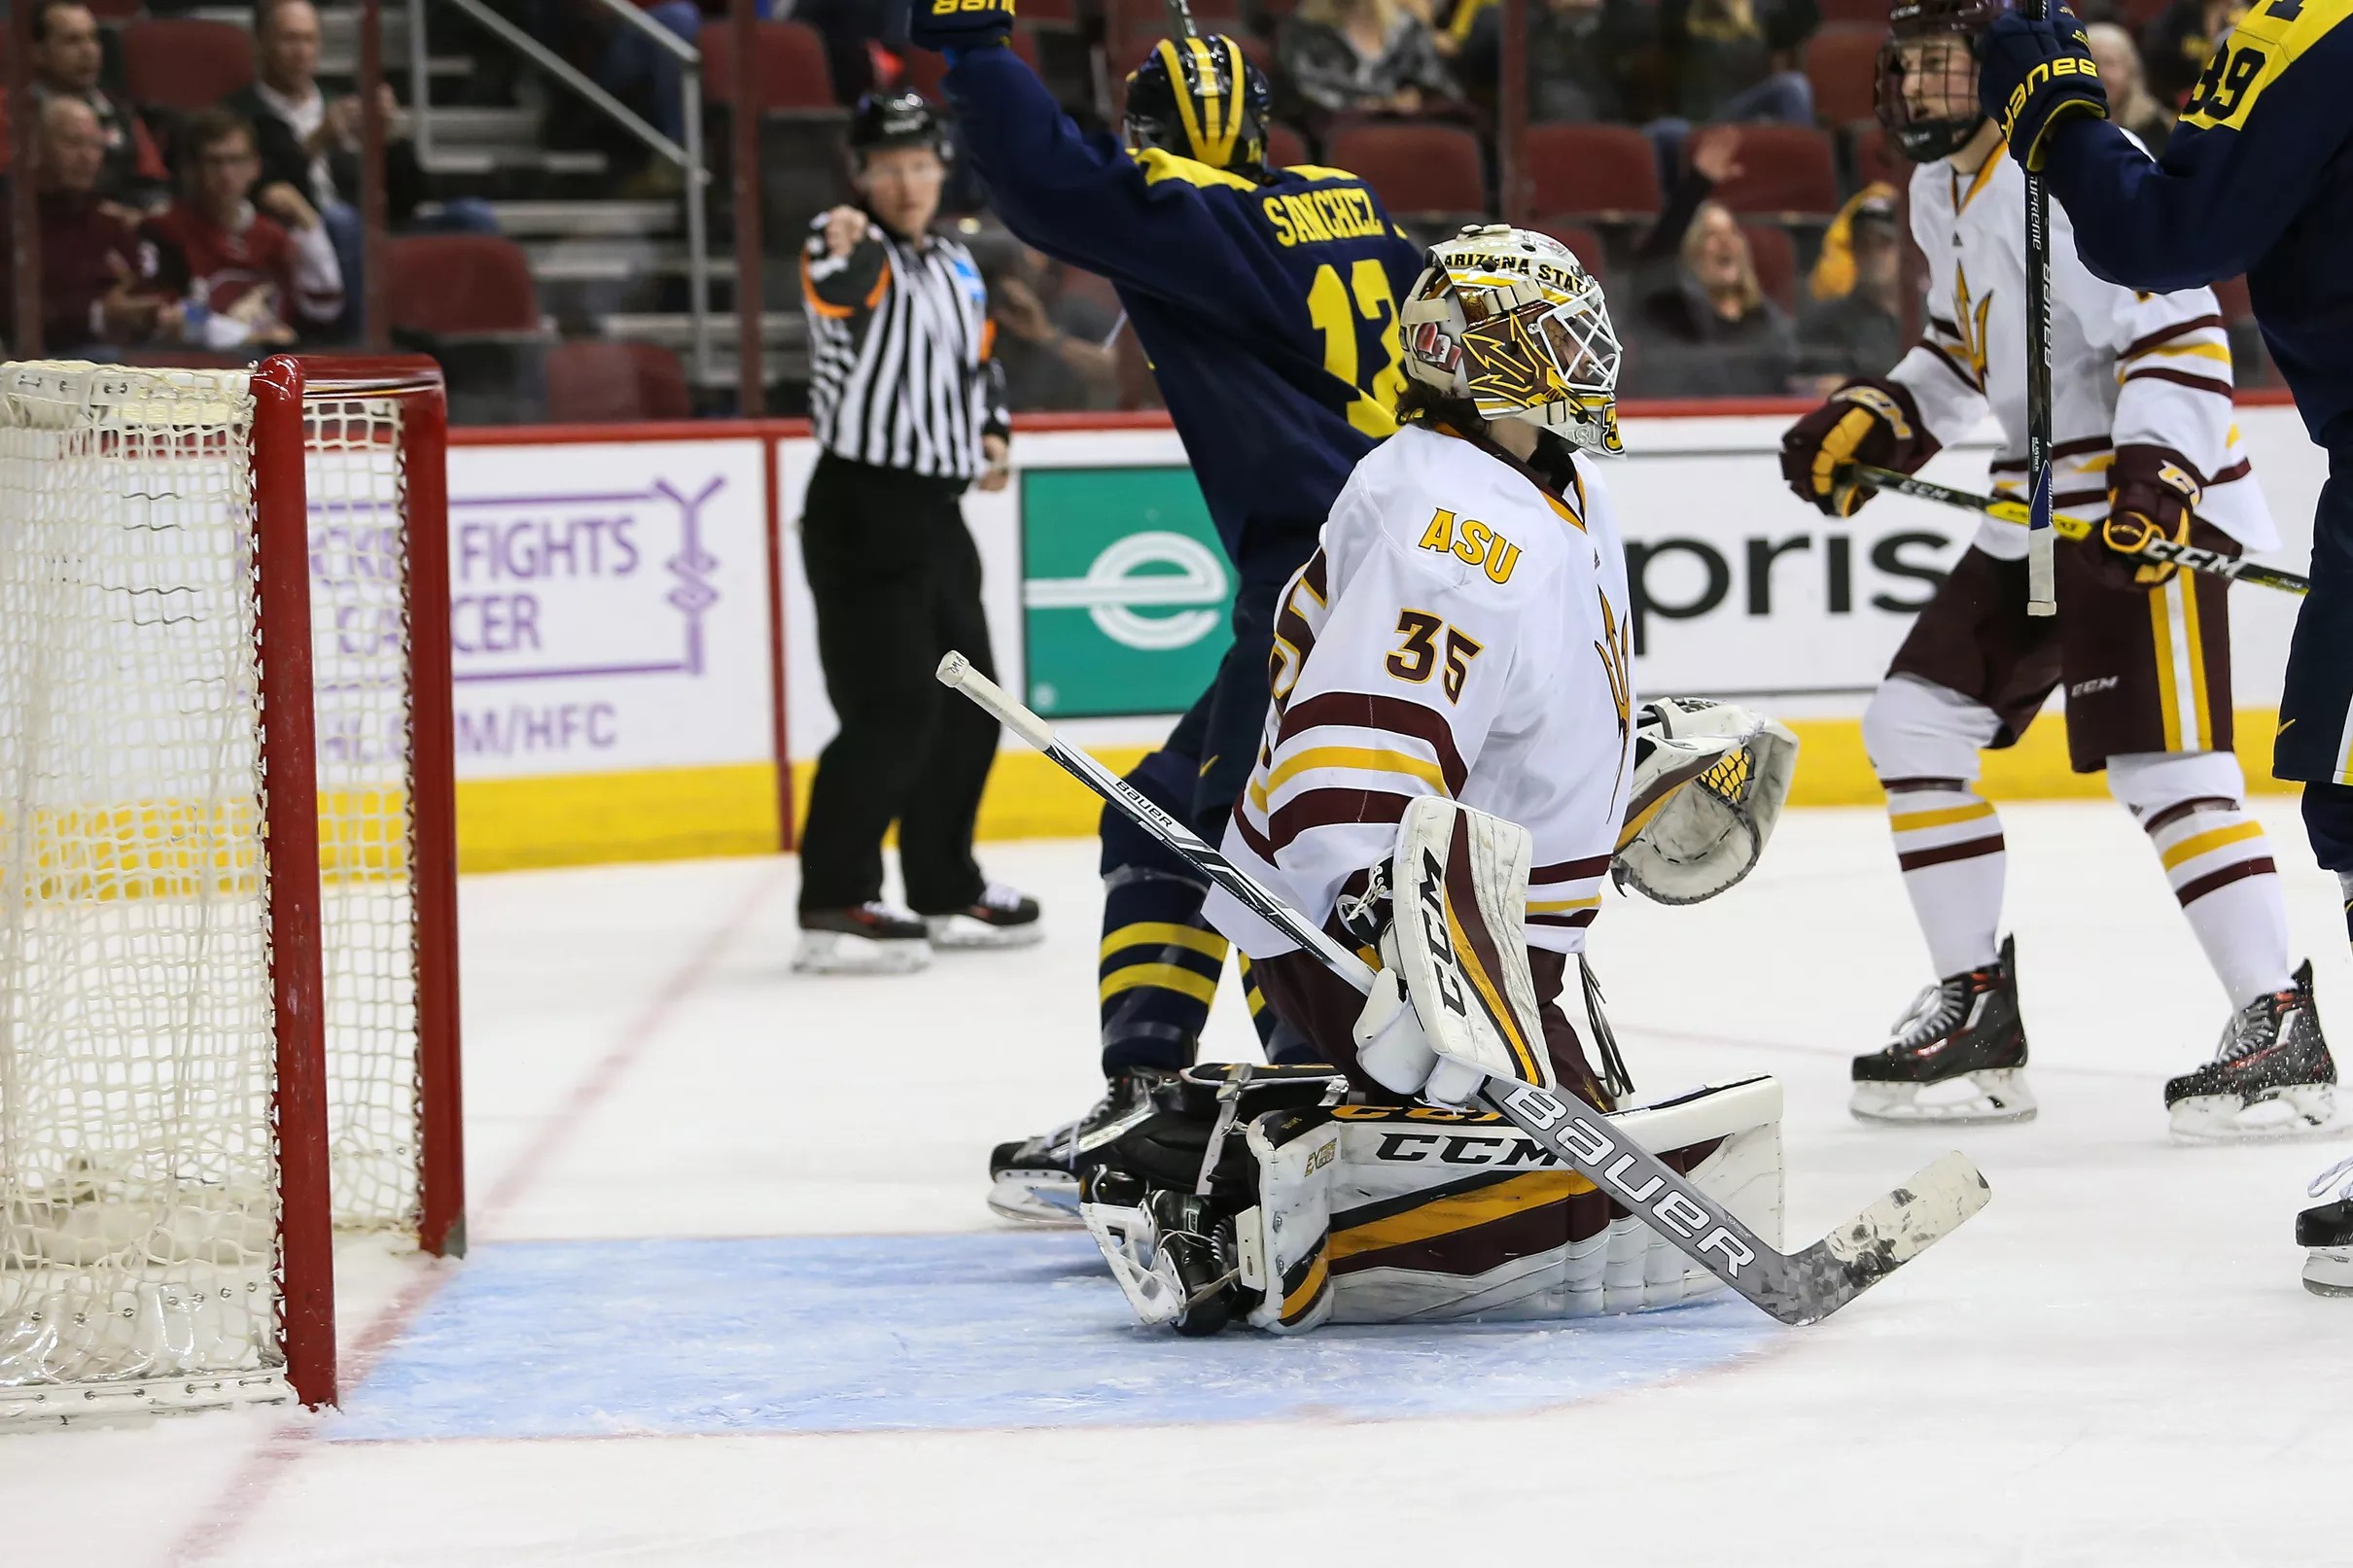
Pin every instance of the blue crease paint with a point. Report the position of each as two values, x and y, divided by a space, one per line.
938 1333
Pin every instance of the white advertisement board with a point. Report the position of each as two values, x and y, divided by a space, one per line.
609 605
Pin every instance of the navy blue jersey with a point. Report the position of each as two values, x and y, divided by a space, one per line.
1269 310
2256 179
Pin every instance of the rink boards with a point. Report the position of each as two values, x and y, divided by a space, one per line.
635 647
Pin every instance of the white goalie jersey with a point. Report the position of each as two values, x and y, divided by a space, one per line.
2126 368
1460 632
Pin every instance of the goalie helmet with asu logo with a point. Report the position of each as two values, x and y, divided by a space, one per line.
1509 320
1926 93
1201 99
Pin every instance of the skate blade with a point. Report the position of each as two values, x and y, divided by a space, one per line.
1035 1198
832 952
1984 1099
964 931
2309 1113
2328 1270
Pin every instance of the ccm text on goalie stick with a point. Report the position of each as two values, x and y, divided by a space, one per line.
1797 1288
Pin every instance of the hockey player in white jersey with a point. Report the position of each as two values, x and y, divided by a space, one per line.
2143 442
1457 645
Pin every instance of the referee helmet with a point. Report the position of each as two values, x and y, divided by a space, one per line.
889 120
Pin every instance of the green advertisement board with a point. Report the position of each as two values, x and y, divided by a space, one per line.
1127 597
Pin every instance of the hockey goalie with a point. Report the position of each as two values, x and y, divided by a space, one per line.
1454 757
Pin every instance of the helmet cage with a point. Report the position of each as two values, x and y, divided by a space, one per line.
1925 138
1546 355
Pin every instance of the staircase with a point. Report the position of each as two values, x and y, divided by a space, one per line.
604 227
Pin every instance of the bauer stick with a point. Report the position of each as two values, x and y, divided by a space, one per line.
1797 1288
2042 558
2189 557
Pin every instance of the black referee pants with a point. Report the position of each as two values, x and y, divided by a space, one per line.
897 580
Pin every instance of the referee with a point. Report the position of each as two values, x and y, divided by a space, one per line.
909 410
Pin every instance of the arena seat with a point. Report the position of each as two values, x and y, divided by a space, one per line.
452 284
1420 171
1788 170
597 381
1608 172
1777 261
1842 63
790 60
184 63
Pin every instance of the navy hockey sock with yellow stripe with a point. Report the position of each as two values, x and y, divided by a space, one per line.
1158 964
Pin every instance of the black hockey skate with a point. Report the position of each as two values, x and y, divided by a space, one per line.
2273 1076
2328 1231
1001 918
1037 1179
1958 1055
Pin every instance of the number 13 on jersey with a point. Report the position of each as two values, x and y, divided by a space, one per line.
1342 312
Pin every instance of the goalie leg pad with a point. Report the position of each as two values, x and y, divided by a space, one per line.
1460 882
1376 1215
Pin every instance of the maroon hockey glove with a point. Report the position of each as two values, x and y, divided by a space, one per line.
1867 420
2153 492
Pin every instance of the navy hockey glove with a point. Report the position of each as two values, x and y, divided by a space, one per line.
2032 75
958 25
2152 494
1867 420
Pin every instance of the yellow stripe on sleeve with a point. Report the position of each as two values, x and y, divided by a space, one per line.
1369 760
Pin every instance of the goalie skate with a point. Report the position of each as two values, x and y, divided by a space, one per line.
1037 1179
2327 1228
1958 1055
2271 1078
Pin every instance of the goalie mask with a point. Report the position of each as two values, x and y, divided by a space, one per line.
1199 98
1926 93
1510 321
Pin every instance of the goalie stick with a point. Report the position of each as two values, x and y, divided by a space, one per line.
2042 565
2189 557
1797 1288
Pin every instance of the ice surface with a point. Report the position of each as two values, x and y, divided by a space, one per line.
681 1155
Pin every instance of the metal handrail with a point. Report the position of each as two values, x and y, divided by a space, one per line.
689 158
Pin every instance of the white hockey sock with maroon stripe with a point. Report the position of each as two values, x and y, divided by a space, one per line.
2220 865
1948 843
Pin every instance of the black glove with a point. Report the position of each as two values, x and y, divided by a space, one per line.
2153 492
946 24
1867 420
2031 75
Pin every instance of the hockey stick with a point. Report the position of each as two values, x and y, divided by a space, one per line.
1798 1288
2189 557
1180 20
2042 558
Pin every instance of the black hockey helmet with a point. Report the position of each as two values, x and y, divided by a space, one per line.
1921 137
1200 98
885 120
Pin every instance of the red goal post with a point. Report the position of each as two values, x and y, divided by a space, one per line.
229 1009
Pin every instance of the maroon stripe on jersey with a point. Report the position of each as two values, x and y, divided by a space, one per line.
1575 920
1359 711
1921 859
2182 808
1291 627
2167 334
2078 498
2236 470
1960 371
2190 893
1313 574
1911 786
1250 836
2180 378
1943 325
1592 865
1332 808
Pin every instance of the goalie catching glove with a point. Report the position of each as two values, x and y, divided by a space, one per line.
1711 778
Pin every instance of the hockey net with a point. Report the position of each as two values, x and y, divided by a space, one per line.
228 1005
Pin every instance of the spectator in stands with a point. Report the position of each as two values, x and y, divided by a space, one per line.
2130 103
2177 46
95 292
1054 343
1581 56
312 145
67 59
1859 330
1734 61
244 278
1705 326
1364 56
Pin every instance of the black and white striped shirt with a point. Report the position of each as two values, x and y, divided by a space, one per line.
899 338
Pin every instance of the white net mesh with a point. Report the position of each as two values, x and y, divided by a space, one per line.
138 1190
